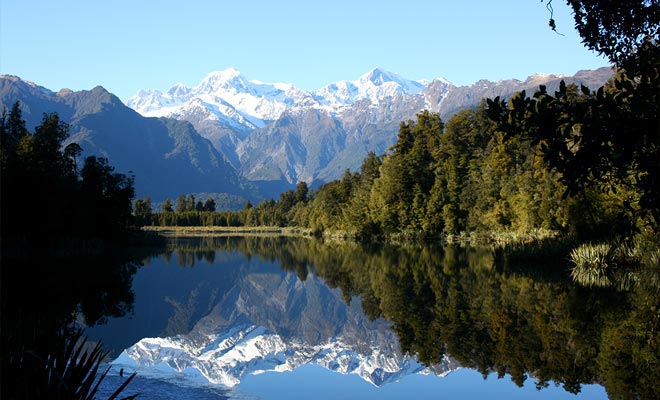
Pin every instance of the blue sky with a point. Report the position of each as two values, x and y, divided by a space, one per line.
130 45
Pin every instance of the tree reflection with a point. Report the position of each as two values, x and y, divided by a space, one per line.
46 298
486 311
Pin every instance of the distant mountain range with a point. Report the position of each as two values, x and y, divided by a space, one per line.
254 139
167 156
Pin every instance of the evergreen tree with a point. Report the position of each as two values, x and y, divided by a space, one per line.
209 204
12 131
301 192
167 206
356 212
93 203
399 195
181 205
190 202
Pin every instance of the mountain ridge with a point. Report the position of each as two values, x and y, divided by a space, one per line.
256 139
167 156
352 117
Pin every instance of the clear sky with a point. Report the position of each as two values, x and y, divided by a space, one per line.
145 44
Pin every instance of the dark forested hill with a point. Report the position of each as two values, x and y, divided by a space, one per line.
167 157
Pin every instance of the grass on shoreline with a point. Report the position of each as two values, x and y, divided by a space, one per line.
173 231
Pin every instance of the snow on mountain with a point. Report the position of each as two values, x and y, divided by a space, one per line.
227 357
261 103
375 86
228 95
275 132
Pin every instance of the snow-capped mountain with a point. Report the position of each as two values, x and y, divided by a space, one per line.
168 157
252 103
274 132
374 86
228 96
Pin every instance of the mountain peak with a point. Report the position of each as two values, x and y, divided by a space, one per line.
379 76
226 74
178 90
228 79
388 83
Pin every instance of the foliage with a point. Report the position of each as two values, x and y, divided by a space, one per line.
69 371
605 141
51 209
591 263
439 181
621 265
44 194
625 31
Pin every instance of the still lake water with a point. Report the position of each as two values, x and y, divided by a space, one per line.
286 318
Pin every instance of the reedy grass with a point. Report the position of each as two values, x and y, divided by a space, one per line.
591 263
615 264
69 369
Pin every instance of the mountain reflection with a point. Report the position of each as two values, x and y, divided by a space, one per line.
441 305
243 314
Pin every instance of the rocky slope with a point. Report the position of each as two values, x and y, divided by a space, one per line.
278 133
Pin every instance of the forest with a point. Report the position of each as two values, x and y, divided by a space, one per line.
499 169
47 196
64 266
581 163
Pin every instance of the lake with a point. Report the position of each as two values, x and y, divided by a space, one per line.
283 318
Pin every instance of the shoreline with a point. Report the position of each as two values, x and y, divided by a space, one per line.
187 231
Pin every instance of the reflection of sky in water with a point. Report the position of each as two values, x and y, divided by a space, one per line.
313 382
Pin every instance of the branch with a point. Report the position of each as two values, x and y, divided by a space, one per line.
551 22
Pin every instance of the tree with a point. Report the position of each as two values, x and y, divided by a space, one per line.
399 195
209 204
607 140
461 146
43 193
142 207
12 130
48 137
108 197
301 192
167 206
181 205
357 210
190 202
625 31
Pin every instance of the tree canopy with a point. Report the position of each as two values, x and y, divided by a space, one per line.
46 195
